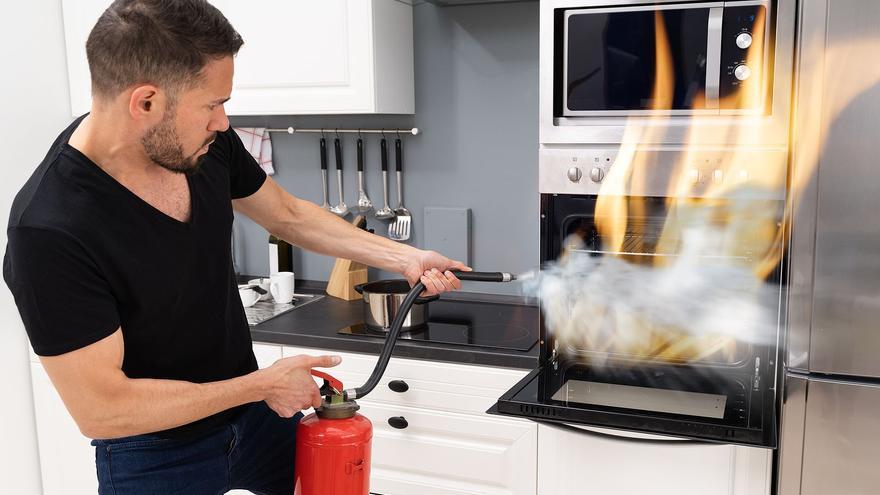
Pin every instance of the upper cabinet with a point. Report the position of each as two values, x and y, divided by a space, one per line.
312 57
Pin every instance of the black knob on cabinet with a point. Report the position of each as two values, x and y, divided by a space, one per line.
398 386
398 422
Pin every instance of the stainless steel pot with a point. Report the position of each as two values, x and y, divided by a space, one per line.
382 300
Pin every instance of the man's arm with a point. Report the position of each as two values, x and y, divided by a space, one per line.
107 404
311 227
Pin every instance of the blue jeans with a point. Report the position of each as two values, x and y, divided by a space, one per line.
254 452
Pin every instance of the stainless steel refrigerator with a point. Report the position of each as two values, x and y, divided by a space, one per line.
830 431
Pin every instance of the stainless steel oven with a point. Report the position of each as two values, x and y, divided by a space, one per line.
662 167
716 386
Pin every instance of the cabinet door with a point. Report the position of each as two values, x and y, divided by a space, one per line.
443 453
67 461
307 57
841 439
327 57
623 463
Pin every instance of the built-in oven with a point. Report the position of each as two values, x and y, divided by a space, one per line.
645 263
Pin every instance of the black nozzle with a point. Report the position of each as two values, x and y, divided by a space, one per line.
484 276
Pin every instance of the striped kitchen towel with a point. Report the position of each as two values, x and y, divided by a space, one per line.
256 141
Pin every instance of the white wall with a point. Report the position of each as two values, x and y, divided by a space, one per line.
36 106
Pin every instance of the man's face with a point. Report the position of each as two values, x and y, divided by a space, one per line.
189 125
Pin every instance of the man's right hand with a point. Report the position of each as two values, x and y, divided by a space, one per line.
289 385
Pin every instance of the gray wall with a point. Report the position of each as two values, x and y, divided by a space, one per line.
476 83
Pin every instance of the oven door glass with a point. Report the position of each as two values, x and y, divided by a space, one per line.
611 60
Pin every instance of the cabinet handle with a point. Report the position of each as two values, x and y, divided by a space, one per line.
398 386
398 422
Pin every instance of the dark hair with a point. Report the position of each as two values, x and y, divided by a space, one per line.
161 42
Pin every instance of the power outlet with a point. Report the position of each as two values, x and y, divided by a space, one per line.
448 231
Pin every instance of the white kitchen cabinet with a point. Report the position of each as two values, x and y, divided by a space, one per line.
327 57
67 460
617 463
449 446
440 452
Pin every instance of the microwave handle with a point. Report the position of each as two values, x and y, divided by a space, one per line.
713 58
621 438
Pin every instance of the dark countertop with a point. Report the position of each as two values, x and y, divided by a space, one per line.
316 325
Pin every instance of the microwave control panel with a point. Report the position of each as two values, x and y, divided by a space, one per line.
743 56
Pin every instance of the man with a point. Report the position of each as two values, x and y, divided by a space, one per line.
119 263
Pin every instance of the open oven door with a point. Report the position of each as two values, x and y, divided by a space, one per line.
723 405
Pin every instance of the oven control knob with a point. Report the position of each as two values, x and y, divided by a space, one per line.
744 40
597 174
575 174
742 72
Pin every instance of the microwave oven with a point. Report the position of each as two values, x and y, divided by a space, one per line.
601 61
670 59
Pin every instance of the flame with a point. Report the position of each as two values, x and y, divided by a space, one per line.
715 226
629 172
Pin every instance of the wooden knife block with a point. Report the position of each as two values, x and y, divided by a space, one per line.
347 273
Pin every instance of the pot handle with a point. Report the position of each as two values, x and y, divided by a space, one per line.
359 288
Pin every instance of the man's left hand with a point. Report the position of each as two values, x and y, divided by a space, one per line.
432 269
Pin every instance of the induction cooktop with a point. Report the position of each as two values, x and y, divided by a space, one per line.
469 323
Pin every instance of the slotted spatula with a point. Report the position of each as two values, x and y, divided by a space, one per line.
399 228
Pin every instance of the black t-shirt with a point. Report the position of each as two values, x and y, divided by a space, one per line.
86 256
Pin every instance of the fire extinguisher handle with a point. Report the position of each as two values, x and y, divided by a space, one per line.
334 383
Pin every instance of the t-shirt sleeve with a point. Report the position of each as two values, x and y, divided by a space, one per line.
245 174
64 301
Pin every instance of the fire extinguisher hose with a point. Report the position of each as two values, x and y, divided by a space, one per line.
397 324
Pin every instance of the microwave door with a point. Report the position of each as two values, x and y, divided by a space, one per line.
611 63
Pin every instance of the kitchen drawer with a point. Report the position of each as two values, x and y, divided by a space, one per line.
449 453
435 385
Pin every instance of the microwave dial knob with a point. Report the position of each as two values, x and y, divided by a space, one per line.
597 174
744 40
742 72
575 174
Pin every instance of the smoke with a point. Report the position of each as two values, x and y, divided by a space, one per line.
695 307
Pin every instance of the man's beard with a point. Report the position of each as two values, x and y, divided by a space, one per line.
162 145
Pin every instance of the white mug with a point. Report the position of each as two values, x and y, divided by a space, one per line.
281 287
249 297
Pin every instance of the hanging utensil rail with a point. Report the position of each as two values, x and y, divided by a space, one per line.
290 130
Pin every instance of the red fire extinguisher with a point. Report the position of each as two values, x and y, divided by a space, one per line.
333 446
333 443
